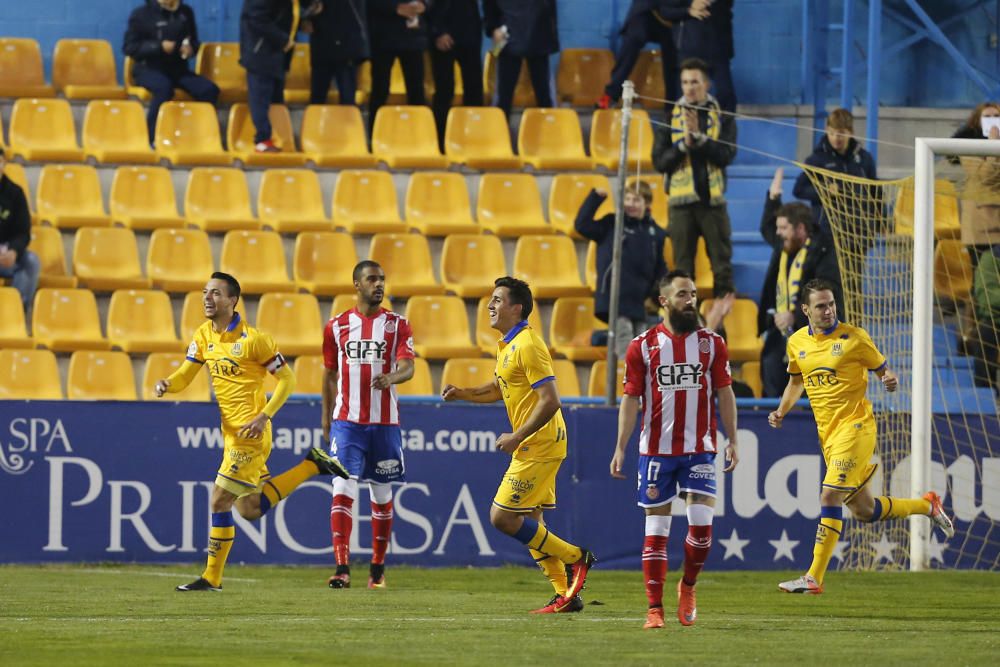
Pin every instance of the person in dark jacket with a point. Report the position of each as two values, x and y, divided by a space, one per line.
801 253
456 33
709 36
522 31
162 38
338 43
398 30
641 259
17 263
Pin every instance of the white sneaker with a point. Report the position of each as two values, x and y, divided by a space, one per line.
938 516
804 584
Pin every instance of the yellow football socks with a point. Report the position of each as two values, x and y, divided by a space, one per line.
220 541
536 536
831 525
554 570
887 507
277 488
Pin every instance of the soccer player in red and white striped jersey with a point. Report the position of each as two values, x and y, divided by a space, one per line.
673 373
366 351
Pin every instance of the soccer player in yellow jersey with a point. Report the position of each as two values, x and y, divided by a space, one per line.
525 381
237 356
830 361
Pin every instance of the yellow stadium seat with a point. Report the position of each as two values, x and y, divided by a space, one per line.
952 270
240 133
344 302
334 136
30 374
188 133
510 205
160 365
115 131
290 200
142 321
566 195
590 267
43 130
479 138
470 263
69 196
64 320
549 264
406 259
487 336
420 384
293 320
144 198
15 173
437 204
551 139
570 329
606 137
21 73
179 260
741 329
567 381
256 259
597 386
946 218
524 94
648 76
365 202
440 327
13 332
220 62
142 94
218 199
84 69
107 258
47 243
298 76
582 75
193 313
323 262
100 376
750 375
309 370
660 207
405 137
468 372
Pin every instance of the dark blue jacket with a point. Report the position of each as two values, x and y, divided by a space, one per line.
149 26
265 26
710 39
856 161
642 259
460 19
388 29
532 25
15 218
668 10
340 32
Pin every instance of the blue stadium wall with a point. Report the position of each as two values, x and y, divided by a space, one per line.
768 42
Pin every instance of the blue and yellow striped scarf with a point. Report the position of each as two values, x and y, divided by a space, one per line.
682 179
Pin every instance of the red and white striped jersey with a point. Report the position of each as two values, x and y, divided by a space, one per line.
677 376
361 348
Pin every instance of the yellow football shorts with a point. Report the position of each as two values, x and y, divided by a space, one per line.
848 454
244 464
528 485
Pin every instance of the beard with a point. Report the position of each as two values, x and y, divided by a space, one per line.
683 321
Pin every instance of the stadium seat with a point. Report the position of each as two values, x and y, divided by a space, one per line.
257 259
13 332
551 139
220 62
160 365
750 376
405 137
570 329
741 329
952 270
64 320
566 195
30 374
298 76
606 137
524 94
309 370
597 386
47 243
487 336
144 198
193 313
69 196
648 76
567 381
84 69
107 258
15 173
188 133
344 302
440 327
582 74
550 265
406 259
946 218
365 202
142 321
420 384
115 131
218 199
510 205
468 372
470 263
43 130
437 204
179 260
479 138
143 94
323 262
240 133
21 73
100 376
290 200
293 320
334 136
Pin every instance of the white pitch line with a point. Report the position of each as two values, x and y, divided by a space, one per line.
139 573
317 619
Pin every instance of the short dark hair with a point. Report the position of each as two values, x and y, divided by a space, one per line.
815 285
698 64
361 266
232 285
797 214
669 278
519 294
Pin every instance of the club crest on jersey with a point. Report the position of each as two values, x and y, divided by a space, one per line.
704 346
837 350
365 351
390 327
237 349
678 377
652 492
192 349
211 346
802 354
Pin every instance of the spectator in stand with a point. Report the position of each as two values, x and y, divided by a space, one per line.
694 153
338 43
17 263
641 259
456 30
980 208
986 299
398 30
801 253
522 30
162 38
709 37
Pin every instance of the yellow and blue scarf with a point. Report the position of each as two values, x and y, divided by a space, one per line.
682 179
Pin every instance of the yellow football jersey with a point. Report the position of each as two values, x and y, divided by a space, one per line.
523 363
834 366
237 359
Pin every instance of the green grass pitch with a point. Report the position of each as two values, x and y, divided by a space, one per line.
130 615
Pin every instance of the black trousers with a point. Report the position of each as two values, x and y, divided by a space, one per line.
773 363
162 84
412 63
343 72
443 68
642 29
508 71
690 221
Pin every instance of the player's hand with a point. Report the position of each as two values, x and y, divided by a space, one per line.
254 428
444 43
783 322
381 382
616 465
732 457
508 443
775 190
168 46
774 419
890 381
161 387
699 9
450 393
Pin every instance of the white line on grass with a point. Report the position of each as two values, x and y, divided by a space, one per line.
301 619
139 573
